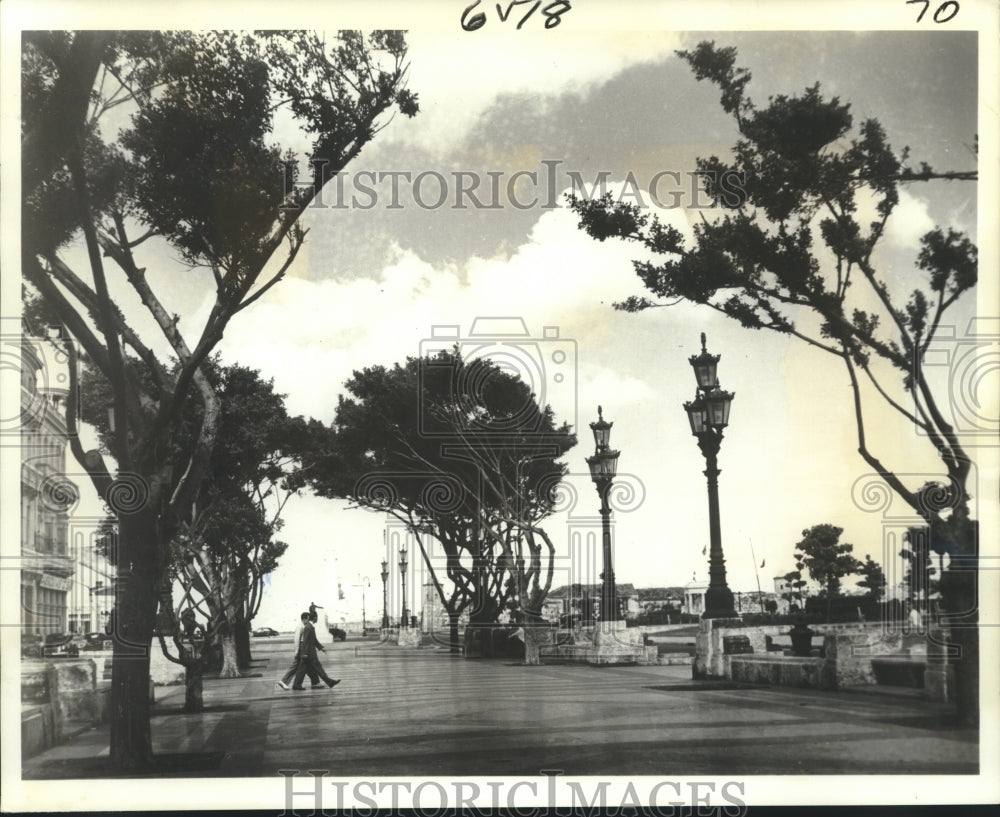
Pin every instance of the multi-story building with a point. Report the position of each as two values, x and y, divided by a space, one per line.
92 595
47 495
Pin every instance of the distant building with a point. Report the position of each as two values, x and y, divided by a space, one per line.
585 600
694 597
92 595
651 599
47 497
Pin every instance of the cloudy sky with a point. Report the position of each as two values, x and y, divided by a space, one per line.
375 280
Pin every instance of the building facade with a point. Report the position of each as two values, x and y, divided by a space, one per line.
48 496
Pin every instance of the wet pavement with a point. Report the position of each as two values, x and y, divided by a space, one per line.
423 712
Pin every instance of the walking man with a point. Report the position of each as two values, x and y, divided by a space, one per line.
308 659
294 666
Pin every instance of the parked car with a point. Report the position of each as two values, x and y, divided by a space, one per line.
338 634
96 641
264 632
60 645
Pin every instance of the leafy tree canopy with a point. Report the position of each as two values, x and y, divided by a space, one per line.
795 252
825 557
460 449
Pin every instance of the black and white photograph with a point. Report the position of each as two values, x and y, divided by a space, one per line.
525 405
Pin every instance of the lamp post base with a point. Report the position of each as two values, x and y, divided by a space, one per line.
719 603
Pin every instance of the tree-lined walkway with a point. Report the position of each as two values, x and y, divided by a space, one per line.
423 713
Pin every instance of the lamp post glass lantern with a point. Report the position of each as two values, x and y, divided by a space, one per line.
385 595
708 415
603 468
402 573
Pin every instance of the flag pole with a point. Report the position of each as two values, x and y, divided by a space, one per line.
760 595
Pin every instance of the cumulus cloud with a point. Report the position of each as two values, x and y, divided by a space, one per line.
458 77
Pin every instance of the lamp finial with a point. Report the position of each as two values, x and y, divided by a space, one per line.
703 349
600 413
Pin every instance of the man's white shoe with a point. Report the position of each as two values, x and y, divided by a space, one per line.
282 684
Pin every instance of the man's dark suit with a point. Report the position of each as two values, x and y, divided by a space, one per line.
307 657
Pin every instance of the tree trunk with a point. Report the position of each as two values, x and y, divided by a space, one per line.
958 590
230 669
135 612
194 670
453 639
242 636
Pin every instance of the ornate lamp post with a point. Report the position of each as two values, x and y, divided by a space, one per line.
708 414
603 466
402 571
385 595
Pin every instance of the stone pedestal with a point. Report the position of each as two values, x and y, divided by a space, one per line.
408 637
608 642
710 659
611 642
536 640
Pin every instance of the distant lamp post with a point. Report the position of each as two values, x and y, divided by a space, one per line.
402 571
385 595
363 583
708 414
603 466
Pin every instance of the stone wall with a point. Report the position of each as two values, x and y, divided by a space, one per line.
848 656
59 698
848 649
786 671
609 642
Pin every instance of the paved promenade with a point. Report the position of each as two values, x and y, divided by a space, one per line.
422 712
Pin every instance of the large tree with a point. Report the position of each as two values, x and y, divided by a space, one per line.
222 551
254 471
195 170
827 559
459 450
873 578
792 249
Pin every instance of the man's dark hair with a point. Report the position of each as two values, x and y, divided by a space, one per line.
304 616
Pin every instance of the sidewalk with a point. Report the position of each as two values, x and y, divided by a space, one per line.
401 712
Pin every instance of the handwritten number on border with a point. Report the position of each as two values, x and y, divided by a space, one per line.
552 12
476 21
942 14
